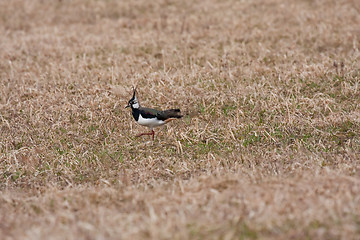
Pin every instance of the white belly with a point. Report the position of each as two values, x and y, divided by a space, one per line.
150 122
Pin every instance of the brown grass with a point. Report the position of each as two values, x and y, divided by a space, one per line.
269 147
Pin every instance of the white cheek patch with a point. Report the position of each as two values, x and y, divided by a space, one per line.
135 105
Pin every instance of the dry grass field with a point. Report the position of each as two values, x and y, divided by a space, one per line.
269 146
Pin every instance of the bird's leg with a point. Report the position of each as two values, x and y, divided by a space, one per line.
152 133
142 134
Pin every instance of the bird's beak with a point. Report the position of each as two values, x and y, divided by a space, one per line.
127 106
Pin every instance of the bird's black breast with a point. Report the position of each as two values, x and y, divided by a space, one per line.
136 113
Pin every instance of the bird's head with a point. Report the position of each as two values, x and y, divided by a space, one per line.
133 102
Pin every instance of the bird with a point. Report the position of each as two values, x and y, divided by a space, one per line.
150 117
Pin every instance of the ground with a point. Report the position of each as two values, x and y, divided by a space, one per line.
269 146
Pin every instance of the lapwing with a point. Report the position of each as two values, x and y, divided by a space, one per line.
151 117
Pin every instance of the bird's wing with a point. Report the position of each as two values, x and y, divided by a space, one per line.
171 113
148 112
